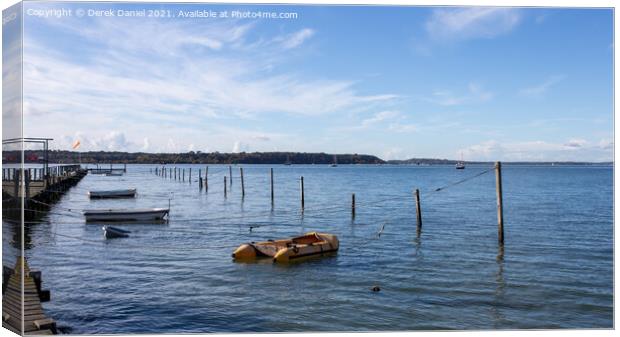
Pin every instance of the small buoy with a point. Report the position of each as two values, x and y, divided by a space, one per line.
376 288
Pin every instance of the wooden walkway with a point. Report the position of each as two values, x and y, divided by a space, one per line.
35 322
36 181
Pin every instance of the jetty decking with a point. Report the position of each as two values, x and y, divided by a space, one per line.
107 170
38 182
35 322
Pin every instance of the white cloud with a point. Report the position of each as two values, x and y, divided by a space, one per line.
575 143
168 69
296 39
475 94
380 117
471 22
240 147
403 128
539 89
537 150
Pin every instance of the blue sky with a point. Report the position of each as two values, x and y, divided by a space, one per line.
396 82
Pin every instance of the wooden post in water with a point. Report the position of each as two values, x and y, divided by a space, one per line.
200 178
230 174
353 205
190 175
301 185
418 208
500 211
224 186
271 173
242 185
183 174
207 178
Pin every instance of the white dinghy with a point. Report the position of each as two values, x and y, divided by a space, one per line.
138 214
128 193
110 232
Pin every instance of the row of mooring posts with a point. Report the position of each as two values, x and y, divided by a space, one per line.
500 205
167 172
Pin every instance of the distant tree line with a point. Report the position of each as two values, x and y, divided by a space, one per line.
115 157
197 157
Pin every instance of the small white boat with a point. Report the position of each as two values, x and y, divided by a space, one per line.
128 193
335 163
110 232
138 214
113 174
460 165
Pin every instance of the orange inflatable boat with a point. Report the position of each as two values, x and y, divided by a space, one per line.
285 250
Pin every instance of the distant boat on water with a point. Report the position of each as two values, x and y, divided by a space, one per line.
288 160
460 165
335 163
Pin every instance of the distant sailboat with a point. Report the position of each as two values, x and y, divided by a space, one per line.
460 165
335 163
288 160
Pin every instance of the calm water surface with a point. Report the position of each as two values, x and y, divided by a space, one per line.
555 271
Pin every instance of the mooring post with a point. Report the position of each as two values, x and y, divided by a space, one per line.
224 186
242 184
353 205
301 185
418 208
500 212
271 173
184 174
207 178
125 167
200 178
230 174
190 175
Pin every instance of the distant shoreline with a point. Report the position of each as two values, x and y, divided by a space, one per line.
305 158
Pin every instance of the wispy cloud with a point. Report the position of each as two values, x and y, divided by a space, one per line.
164 70
538 150
475 93
541 88
295 39
380 117
471 22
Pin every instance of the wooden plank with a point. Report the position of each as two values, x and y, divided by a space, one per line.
35 321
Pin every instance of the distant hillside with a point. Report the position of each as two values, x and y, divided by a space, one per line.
198 157
431 161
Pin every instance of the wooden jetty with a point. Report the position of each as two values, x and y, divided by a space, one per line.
40 184
107 170
35 322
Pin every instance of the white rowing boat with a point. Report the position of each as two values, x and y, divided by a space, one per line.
110 232
128 193
138 214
